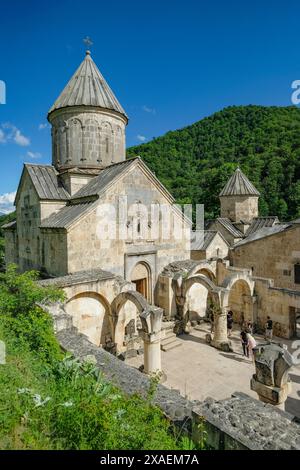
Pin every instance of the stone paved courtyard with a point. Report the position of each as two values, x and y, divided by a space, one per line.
198 370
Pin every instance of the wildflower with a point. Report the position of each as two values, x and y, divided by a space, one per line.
21 391
37 399
67 404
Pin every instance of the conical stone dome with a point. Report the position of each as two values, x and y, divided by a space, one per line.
88 122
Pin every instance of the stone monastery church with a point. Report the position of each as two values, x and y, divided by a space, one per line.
82 223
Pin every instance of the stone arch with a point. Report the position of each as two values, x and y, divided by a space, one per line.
207 283
91 314
238 297
203 268
141 276
118 145
75 141
91 139
61 144
106 142
122 316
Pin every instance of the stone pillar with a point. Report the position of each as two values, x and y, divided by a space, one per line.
271 380
84 137
220 339
68 146
152 353
151 319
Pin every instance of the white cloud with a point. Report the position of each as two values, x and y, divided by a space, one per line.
141 138
149 110
34 155
20 139
6 202
43 126
14 134
2 137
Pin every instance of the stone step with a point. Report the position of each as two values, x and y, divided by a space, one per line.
169 334
168 347
169 340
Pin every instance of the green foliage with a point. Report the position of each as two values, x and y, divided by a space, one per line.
52 402
20 295
194 163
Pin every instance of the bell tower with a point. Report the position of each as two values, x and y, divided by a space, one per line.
239 199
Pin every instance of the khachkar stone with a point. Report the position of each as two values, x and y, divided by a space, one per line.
271 380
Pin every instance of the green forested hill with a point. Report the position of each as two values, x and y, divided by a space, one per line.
194 163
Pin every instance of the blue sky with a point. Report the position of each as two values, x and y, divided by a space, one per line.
170 63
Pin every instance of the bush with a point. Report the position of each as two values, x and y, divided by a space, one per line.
54 402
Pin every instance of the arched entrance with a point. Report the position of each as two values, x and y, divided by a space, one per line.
198 300
91 316
240 301
142 278
201 294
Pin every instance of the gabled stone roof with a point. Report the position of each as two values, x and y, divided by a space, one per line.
239 185
86 198
46 182
10 226
263 233
88 87
106 176
228 225
261 222
66 216
201 239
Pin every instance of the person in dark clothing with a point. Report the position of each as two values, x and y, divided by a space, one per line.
229 322
269 329
244 339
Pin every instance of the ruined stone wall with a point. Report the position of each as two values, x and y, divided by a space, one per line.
279 304
271 257
239 422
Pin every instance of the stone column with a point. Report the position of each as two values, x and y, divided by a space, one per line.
271 379
220 339
152 353
84 143
151 319
68 146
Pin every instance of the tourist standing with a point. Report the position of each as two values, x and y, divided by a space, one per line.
229 322
269 329
251 345
244 341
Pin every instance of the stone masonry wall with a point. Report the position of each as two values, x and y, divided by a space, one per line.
271 257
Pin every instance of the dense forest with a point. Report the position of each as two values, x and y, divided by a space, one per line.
195 162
